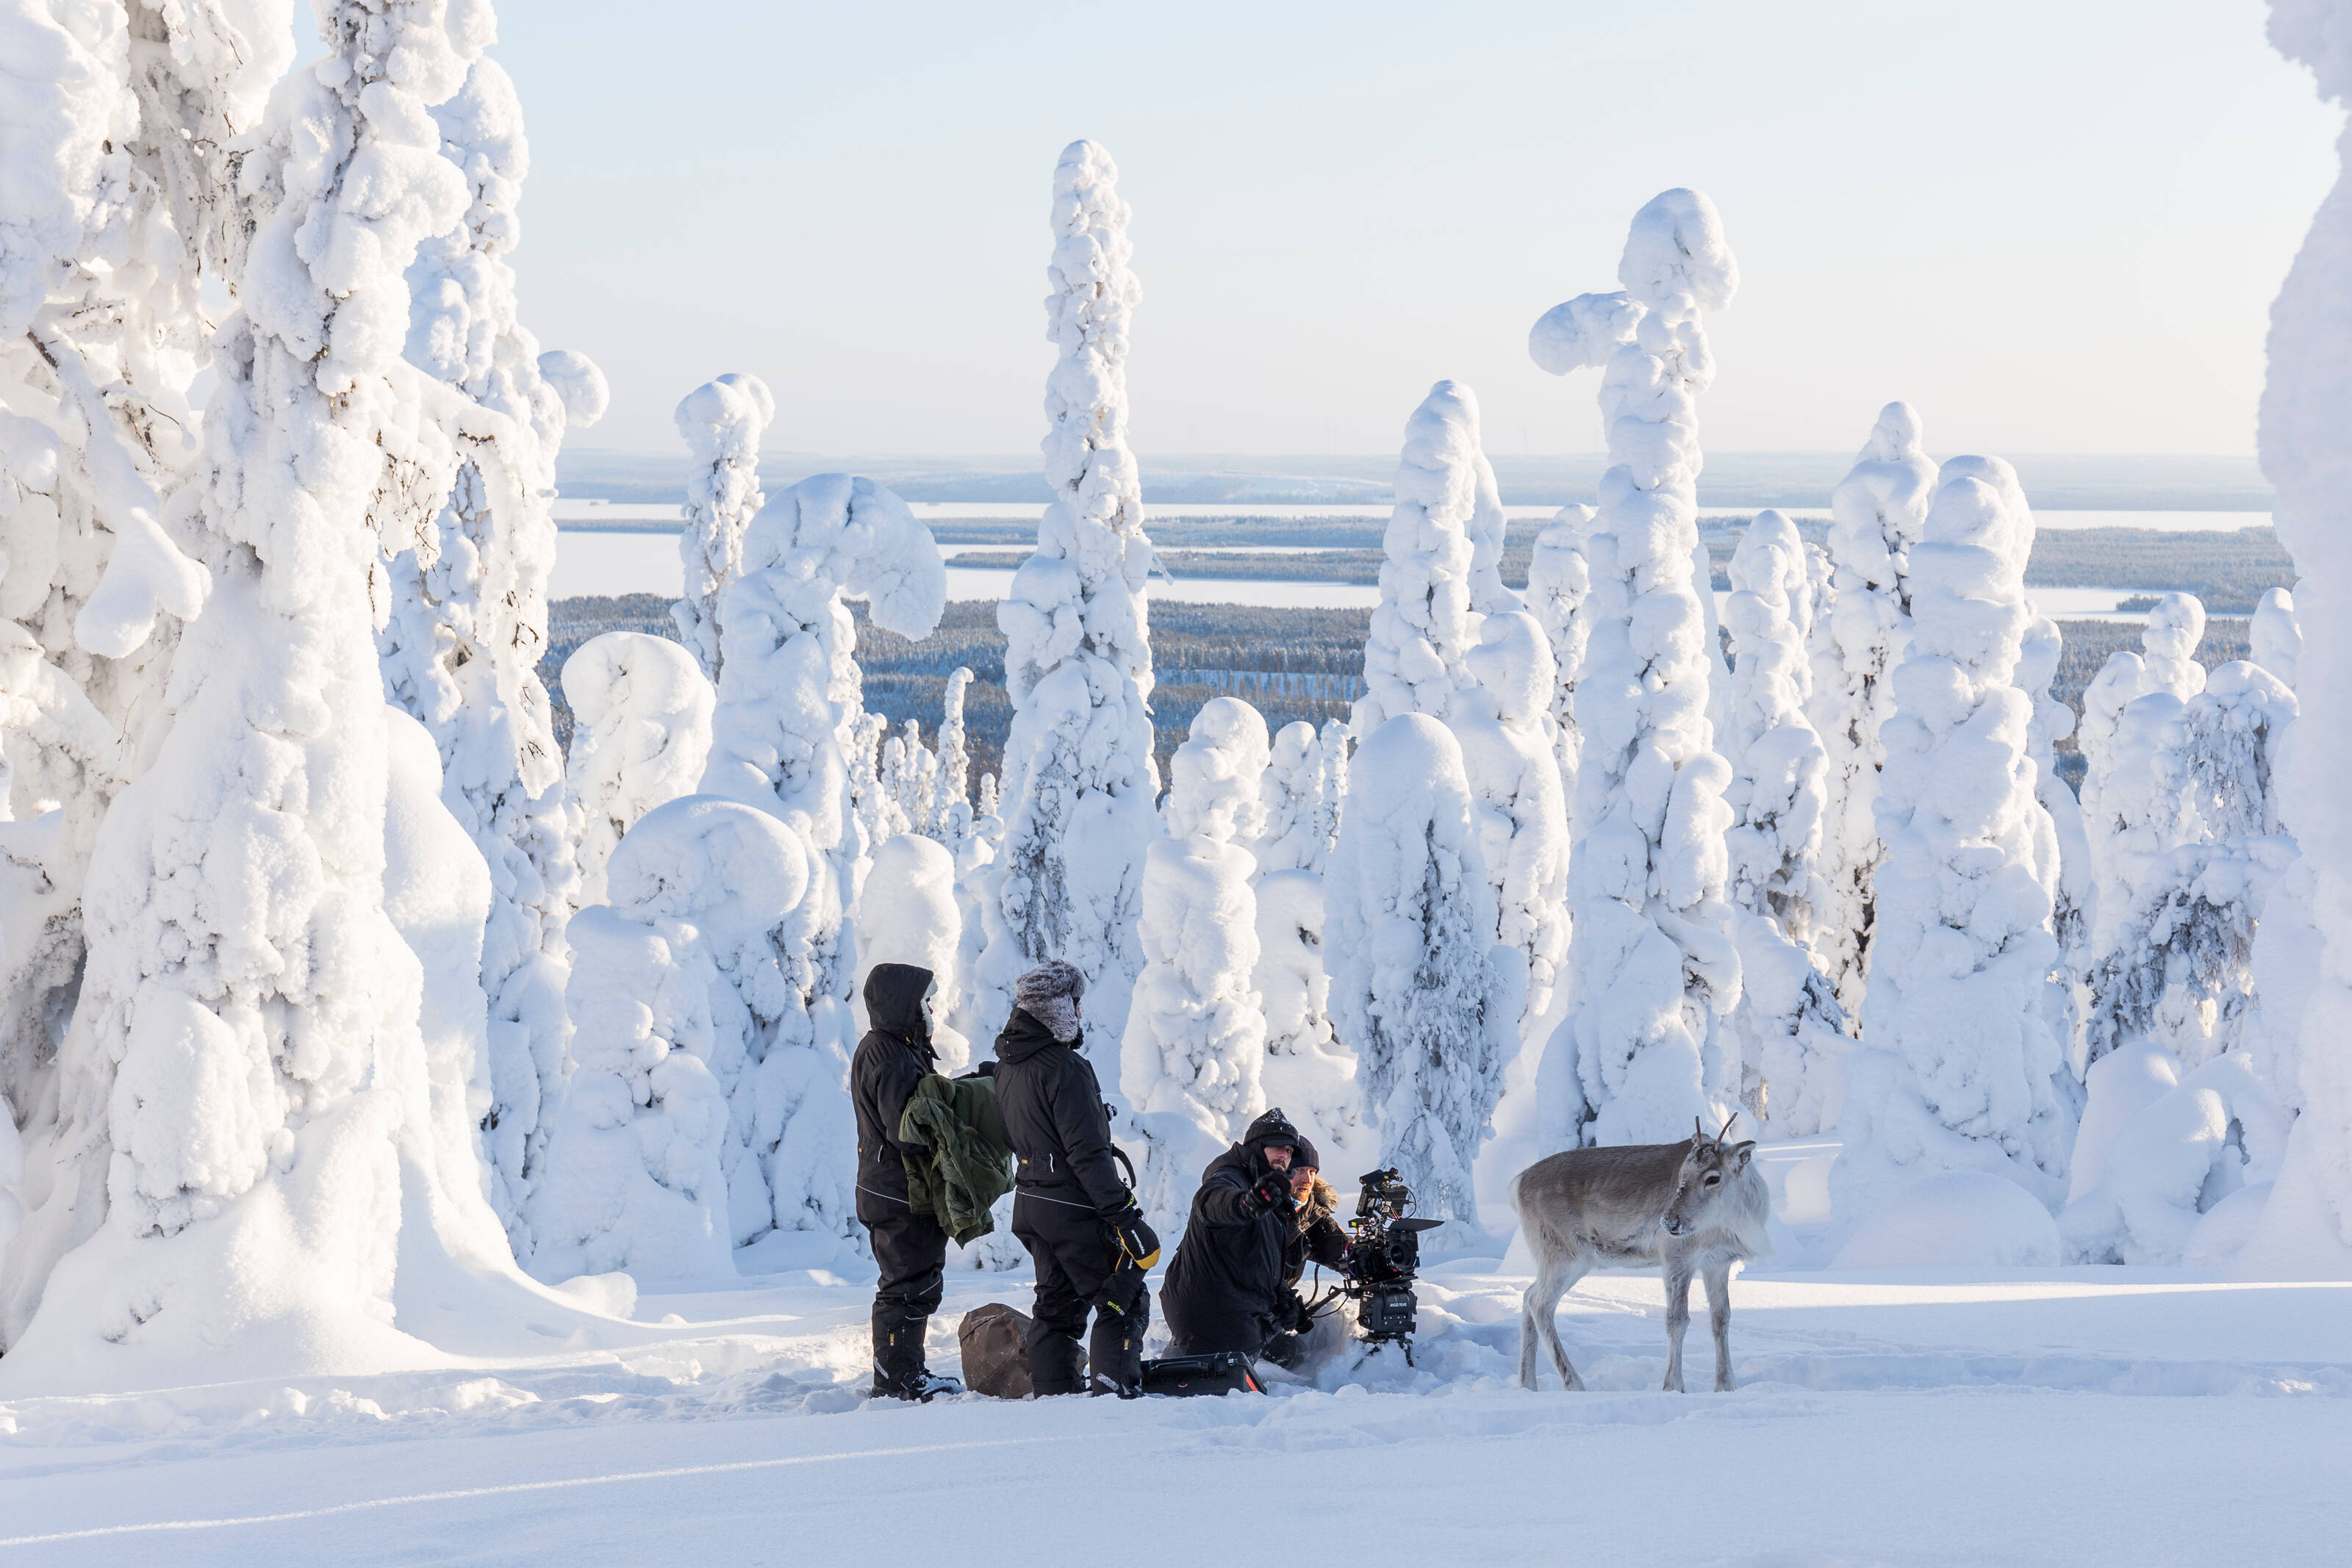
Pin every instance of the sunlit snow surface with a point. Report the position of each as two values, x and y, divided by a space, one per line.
1898 1416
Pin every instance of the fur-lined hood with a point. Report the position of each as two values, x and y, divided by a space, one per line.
1320 1203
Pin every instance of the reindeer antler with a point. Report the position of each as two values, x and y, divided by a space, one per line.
1698 1131
1727 1126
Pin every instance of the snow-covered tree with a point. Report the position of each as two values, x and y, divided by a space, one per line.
468 551
1791 1027
2307 1225
1197 1033
1291 803
907 914
722 422
640 738
2176 624
2198 849
1416 658
1656 971
246 1069
1875 514
1957 1067
791 714
1409 919
949 819
2276 635
1514 775
2074 896
1306 1071
724 899
1080 779
1559 581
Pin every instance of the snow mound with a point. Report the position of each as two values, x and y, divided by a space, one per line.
1965 1219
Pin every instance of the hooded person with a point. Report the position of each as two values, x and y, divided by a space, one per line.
1261 1212
910 1248
1070 1209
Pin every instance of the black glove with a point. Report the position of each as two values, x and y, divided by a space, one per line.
1133 1237
1304 1319
1273 1193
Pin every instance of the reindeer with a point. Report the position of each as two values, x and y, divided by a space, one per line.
1695 1207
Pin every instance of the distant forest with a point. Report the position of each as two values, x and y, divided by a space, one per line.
1289 663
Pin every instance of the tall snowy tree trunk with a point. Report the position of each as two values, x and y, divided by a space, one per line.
1957 1067
1079 779
722 422
468 569
1875 514
247 1075
1654 964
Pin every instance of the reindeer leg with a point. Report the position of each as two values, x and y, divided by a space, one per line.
1538 1310
1718 1317
1679 1282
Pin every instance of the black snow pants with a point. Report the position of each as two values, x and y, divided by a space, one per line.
1076 1265
911 1251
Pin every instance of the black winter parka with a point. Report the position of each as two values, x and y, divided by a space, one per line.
1055 1120
891 1059
1230 1286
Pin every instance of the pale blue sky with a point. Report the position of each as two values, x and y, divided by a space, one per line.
2053 225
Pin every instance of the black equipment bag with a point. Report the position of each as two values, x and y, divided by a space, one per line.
1182 1377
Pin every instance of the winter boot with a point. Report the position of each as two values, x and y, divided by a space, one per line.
1117 1346
898 1354
1056 1362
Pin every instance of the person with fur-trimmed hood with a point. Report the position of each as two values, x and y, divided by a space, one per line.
910 1249
1078 1220
1263 1210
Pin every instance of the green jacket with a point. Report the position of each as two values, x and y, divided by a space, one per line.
958 1163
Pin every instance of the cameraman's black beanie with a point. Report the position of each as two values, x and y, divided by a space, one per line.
1272 1128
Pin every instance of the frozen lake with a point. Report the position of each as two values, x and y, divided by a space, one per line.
610 563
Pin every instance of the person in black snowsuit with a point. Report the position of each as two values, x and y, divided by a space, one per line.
910 1248
1232 1284
1070 1209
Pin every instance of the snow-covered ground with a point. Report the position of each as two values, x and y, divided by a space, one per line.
2125 1416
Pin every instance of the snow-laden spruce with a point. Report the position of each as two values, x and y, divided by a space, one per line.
1957 1067
907 914
1514 773
2306 1229
1655 972
1196 1035
1789 1026
1409 922
2075 894
701 1114
1080 779
1559 580
247 1065
1875 515
790 721
468 551
115 161
2276 636
1307 1071
722 422
2199 845
1295 818
1416 658
2132 805
640 738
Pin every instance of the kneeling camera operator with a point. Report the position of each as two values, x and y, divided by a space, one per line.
1261 1212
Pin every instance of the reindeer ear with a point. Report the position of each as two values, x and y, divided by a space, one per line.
1740 1154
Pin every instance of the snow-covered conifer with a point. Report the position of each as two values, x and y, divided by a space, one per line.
2074 896
1957 1067
247 1058
2307 1225
1656 970
1875 514
1416 656
640 738
907 914
1514 775
1408 921
1196 1034
1559 581
949 819
1290 803
791 714
468 551
722 422
1079 781
2276 636
1791 1029
2176 624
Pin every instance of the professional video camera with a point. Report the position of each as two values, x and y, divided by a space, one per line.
1387 1253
